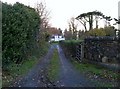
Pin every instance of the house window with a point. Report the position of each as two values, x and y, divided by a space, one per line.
52 37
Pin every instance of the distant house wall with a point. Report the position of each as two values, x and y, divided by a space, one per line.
57 38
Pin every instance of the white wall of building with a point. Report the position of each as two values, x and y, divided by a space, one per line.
57 38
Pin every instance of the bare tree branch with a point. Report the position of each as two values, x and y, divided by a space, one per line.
44 14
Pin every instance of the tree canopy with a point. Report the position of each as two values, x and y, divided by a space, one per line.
89 17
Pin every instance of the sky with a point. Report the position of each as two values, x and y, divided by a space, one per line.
62 10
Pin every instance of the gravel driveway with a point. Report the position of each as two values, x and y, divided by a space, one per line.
68 75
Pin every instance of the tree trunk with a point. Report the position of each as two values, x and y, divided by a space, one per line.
90 22
96 18
85 26
96 23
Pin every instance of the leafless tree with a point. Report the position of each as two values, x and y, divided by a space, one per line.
44 14
73 27
44 19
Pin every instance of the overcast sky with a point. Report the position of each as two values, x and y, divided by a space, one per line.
63 10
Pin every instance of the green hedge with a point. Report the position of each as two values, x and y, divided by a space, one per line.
69 47
20 33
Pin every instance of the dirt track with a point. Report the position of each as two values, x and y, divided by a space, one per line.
68 75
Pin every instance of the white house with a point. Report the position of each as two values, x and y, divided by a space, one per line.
57 38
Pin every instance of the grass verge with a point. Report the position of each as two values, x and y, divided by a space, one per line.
53 71
98 73
15 71
0 78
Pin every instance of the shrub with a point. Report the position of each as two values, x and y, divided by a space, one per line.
20 33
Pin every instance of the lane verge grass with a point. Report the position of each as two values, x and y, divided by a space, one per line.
100 75
16 71
53 69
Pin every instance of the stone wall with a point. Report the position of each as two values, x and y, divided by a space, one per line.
102 49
